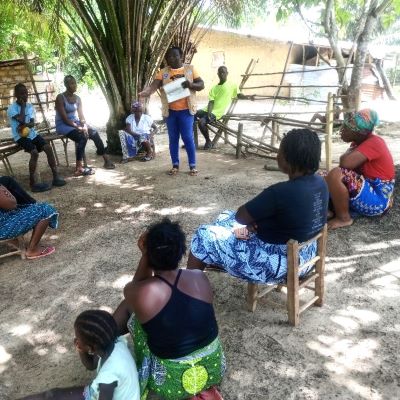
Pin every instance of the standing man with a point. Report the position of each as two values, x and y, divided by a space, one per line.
21 115
178 114
220 97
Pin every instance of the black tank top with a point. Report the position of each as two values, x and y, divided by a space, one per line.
184 325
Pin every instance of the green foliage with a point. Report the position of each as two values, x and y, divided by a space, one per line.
25 31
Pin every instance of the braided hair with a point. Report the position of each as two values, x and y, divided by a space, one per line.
301 149
98 329
166 245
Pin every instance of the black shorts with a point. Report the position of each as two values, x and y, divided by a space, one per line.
31 144
204 114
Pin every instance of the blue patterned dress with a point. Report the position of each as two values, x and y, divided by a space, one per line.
14 223
252 260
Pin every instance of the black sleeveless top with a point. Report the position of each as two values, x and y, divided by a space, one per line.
184 325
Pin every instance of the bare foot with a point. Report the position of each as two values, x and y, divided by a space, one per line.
336 223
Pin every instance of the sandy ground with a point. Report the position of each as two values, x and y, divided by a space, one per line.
348 349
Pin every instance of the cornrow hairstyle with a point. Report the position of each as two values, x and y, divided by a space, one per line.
177 48
67 78
301 149
17 87
98 329
166 245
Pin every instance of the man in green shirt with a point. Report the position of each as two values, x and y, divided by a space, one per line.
220 98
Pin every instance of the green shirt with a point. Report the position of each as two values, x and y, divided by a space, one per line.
222 96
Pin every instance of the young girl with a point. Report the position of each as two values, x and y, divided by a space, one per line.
99 347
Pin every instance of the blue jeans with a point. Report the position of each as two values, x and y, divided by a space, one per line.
180 123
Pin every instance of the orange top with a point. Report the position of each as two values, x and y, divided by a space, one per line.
181 104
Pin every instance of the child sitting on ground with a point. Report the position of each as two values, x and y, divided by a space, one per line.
99 347
139 133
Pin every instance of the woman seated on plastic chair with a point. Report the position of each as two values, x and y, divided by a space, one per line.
251 243
138 134
20 213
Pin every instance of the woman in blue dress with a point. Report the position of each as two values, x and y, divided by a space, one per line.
20 213
251 242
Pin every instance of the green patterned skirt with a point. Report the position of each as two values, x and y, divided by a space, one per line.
179 378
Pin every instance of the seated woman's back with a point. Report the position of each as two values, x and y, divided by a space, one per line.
184 320
295 209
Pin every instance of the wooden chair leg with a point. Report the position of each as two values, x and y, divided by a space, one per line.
252 291
320 269
22 247
293 303
65 145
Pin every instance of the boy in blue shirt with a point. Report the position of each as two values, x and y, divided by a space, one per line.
21 115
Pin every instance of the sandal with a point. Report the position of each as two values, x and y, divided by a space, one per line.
173 171
193 172
46 251
147 158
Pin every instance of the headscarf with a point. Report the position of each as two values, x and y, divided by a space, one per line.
362 122
136 105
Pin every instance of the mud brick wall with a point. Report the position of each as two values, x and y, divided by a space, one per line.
10 75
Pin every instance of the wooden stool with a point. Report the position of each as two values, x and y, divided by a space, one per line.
293 282
12 252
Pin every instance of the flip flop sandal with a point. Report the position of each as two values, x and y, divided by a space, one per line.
193 172
173 171
146 158
44 253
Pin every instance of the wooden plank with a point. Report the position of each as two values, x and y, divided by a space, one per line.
293 282
239 140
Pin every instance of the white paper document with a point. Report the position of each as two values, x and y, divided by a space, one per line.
175 91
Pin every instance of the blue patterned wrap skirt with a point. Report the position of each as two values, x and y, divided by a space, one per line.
14 223
252 260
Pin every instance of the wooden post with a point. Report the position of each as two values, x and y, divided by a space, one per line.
328 132
273 134
320 268
252 291
239 140
293 302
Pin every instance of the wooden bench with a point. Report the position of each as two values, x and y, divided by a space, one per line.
8 147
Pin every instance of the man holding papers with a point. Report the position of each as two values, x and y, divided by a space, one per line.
178 83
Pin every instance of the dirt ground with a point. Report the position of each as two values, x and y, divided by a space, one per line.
348 349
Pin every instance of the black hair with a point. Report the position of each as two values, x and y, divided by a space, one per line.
177 48
98 329
301 149
166 245
67 78
19 86
224 67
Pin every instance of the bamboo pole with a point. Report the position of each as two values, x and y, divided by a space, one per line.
297 72
328 132
239 140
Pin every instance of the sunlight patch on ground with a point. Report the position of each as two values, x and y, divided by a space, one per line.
76 303
393 267
365 392
128 209
389 286
183 210
377 245
20 330
4 356
121 281
144 188
353 257
61 349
